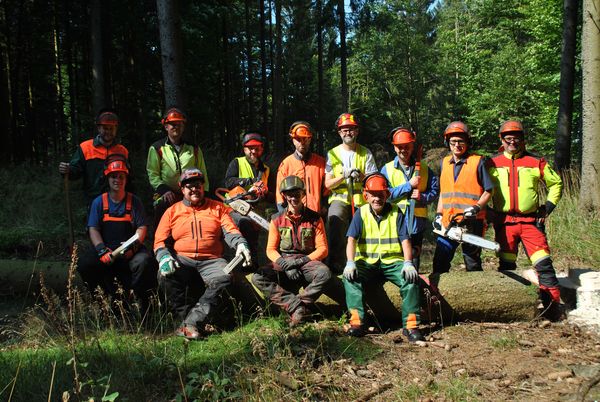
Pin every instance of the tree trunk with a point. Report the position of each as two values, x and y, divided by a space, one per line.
277 85
590 163
98 74
68 48
249 67
343 55
562 156
60 132
321 91
171 52
263 63
5 90
230 120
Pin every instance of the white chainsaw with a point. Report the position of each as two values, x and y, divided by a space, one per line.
243 207
461 235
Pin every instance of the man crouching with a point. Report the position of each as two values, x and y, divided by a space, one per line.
296 247
196 227
379 247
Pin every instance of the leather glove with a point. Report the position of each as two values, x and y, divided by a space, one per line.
243 249
437 222
300 261
105 255
355 174
471 212
284 263
294 274
350 272
167 265
409 272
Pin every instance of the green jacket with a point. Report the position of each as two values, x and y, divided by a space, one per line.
165 164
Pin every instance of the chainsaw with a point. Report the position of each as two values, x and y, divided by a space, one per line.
241 203
455 231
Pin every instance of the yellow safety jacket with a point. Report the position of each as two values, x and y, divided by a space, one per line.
245 172
379 242
397 178
340 193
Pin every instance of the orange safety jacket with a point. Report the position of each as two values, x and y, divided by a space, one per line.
304 234
312 173
464 192
197 231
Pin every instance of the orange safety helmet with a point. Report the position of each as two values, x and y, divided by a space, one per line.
107 118
375 182
401 136
345 120
456 127
511 126
174 115
301 129
116 166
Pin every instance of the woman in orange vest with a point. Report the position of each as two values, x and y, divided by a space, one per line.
465 187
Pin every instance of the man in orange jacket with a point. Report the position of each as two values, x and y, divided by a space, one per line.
465 187
306 165
296 248
196 226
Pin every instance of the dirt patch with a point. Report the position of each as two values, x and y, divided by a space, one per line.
522 361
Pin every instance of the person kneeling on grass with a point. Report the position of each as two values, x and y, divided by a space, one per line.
189 249
296 247
379 247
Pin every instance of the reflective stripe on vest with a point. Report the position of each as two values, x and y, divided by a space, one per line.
379 241
116 229
245 171
396 178
340 193
462 193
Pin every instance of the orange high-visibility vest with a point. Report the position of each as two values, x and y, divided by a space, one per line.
458 195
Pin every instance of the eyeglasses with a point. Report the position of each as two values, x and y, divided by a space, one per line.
348 130
512 140
457 142
193 186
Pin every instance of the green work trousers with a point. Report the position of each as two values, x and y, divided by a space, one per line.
393 273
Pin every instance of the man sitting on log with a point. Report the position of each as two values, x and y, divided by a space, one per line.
296 247
379 248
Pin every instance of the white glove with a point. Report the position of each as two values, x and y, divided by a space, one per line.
437 222
347 172
350 271
355 174
409 272
471 212
243 249
167 265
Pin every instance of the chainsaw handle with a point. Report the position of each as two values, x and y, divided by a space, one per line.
222 194
454 219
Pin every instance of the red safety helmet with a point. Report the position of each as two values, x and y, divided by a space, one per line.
174 115
401 136
253 140
346 120
191 175
116 166
511 126
375 182
107 119
301 129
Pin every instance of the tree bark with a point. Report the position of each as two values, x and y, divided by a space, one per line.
590 163
98 74
5 90
249 66
171 52
343 55
263 63
562 150
321 91
277 84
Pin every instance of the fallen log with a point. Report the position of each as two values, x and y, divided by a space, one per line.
17 277
474 296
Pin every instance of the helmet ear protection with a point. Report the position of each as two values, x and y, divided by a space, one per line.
301 128
468 140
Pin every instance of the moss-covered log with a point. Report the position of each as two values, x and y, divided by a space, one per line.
475 296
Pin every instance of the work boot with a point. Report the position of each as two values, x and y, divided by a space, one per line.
413 335
298 316
553 312
188 332
356 331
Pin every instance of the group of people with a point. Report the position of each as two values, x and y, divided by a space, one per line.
336 215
